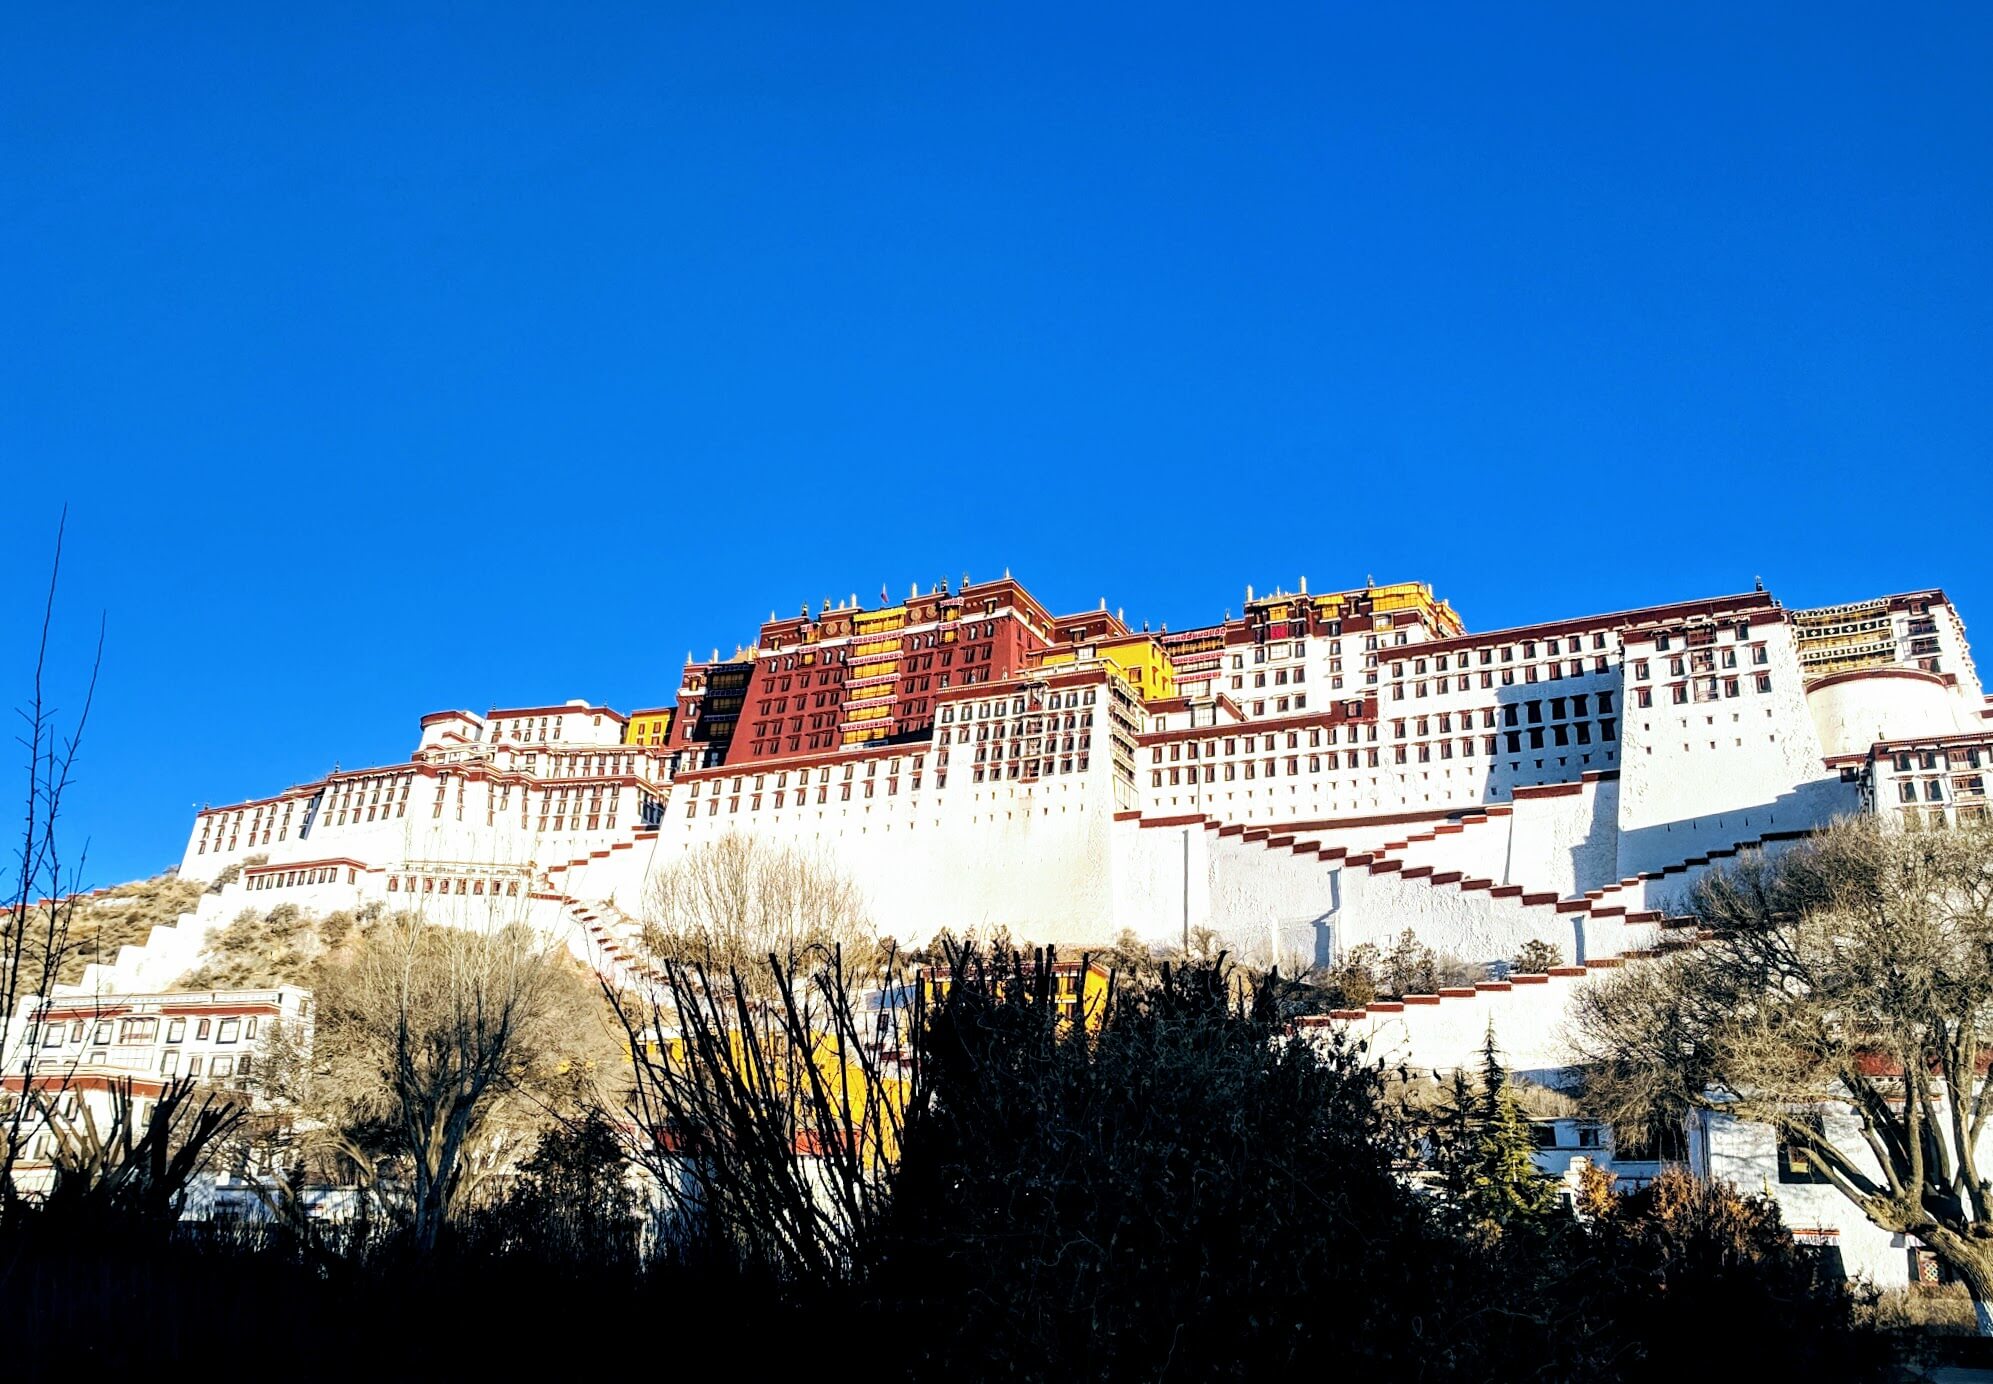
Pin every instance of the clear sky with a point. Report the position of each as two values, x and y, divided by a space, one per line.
501 356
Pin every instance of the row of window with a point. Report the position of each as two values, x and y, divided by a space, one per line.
1510 742
288 879
1971 757
782 798
144 1028
1506 677
1703 690
1702 661
452 884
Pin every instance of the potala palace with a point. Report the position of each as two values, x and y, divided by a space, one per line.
1322 771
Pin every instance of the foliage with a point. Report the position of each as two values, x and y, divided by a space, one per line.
137 1170
1367 974
571 1205
770 1125
96 924
282 946
1536 957
1676 1260
431 1038
1181 1187
729 905
1851 974
1352 982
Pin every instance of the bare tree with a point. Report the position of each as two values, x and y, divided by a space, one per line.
45 885
1841 992
730 904
429 1033
138 1168
770 1124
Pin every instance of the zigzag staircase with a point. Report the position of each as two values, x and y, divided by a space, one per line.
1626 913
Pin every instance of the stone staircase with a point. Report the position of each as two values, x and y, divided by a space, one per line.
1651 888
598 932
1399 880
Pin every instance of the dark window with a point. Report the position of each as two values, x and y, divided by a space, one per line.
1796 1162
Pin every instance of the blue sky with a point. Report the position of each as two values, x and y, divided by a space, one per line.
390 362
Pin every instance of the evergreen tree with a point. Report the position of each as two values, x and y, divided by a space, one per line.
1494 1076
1455 1138
1502 1184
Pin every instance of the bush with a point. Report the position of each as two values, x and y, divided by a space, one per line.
1181 1193
1536 957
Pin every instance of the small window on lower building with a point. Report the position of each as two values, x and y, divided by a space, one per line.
1797 1163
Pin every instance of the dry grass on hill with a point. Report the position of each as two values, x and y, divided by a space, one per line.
283 946
122 915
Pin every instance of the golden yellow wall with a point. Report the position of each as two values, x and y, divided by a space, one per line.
1138 658
648 728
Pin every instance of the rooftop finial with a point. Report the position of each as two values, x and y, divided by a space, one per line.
1249 593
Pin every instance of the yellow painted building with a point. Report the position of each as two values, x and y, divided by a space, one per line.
652 727
1079 990
1390 599
1139 658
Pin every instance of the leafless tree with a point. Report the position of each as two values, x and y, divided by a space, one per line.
45 884
1851 975
727 906
138 1168
769 1114
430 1033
